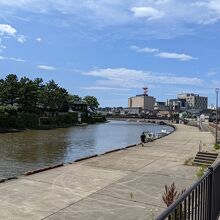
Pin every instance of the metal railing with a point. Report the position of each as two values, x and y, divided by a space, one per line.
200 202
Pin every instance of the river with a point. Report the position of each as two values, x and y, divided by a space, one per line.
34 149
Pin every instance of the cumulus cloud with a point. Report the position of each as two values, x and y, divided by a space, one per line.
45 67
131 78
176 56
7 30
12 59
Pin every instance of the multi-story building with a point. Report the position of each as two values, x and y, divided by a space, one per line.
194 101
177 104
161 106
144 101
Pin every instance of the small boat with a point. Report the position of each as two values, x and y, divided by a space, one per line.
150 136
164 132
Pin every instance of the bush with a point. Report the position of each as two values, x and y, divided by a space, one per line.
28 120
98 119
201 171
216 146
60 120
33 121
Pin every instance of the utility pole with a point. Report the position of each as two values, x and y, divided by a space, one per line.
216 125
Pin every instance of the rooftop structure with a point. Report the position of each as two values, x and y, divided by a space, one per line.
143 101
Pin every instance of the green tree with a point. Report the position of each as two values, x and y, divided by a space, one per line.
28 95
9 89
54 98
91 101
38 84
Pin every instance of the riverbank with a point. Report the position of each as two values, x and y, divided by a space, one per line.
157 135
127 184
36 149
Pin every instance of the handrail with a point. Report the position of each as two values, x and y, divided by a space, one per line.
175 204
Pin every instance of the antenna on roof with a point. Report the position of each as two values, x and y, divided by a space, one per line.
145 90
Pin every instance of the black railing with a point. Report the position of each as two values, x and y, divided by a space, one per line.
200 202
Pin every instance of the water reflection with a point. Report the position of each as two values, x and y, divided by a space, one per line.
30 150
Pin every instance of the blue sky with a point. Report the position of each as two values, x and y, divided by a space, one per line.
112 48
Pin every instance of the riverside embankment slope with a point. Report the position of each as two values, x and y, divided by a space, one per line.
127 184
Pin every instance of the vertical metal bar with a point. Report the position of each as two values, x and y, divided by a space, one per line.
193 204
169 217
189 207
210 193
196 203
199 191
185 209
216 125
181 212
204 197
202 201
175 214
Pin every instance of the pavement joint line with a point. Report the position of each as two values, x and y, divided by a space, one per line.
127 200
63 208
112 169
83 198
48 183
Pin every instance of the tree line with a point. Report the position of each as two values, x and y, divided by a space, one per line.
35 96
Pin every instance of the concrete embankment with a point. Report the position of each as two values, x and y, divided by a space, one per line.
126 184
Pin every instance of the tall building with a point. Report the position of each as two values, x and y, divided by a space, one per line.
144 101
194 101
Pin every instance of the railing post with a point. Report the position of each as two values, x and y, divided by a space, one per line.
210 202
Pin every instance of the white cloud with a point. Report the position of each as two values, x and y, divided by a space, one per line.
130 78
153 18
181 57
21 38
166 55
44 67
144 50
12 59
7 30
147 12
39 39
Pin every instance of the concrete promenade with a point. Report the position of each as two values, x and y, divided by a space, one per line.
126 185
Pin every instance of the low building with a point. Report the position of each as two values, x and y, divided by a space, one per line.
132 111
163 114
161 106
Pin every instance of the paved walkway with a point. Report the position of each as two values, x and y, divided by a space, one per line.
126 185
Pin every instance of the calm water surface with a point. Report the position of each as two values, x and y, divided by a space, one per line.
29 150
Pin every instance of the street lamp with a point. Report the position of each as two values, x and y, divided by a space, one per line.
216 125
